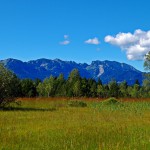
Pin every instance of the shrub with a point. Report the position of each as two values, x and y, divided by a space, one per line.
111 101
73 103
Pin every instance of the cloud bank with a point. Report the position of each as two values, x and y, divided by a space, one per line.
94 41
136 45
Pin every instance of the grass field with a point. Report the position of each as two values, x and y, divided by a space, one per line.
50 124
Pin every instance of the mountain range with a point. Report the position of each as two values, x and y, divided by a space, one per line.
105 70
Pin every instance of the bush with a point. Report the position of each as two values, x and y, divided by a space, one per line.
73 103
111 101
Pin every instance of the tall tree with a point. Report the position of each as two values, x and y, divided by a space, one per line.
146 82
60 86
41 89
123 89
77 88
100 91
73 83
85 87
93 87
28 88
147 62
9 86
74 75
113 89
49 86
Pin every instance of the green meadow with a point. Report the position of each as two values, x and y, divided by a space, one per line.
40 124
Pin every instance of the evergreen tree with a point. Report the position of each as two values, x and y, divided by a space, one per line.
28 88
123 89
100 91
113 89
60 86
93 88
85 89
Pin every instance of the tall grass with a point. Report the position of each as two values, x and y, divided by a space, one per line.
53 125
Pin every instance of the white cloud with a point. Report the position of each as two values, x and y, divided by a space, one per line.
66 40
94 41
136 45
66 36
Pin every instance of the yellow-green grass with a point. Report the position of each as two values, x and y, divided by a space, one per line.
53 125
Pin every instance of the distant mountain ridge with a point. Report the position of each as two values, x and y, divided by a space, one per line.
105 70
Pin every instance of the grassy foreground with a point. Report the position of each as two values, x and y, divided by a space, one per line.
53 125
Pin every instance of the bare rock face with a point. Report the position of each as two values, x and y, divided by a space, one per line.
101 70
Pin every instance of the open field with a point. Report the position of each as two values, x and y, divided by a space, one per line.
50 124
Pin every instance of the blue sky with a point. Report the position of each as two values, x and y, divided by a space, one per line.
81 30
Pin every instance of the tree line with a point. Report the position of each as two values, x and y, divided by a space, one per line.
76 86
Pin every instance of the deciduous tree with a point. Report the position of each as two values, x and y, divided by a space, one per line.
9 86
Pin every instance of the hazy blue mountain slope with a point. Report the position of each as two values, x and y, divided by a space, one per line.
105 70
109 70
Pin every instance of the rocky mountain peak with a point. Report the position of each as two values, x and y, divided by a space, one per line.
105 70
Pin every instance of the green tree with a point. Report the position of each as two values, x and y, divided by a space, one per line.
60 86
28 88
85 87
100 91
106 91
9 86
147 62
146 82
77 88
137 82
49 86
123 92
74 76
134 91
99 88
73 83
41 89
93 88
99 81
113 89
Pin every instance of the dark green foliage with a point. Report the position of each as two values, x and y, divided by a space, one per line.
28 88
9 87
137 82
77 103
60 86
93 87
123 89
113 89
85 88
